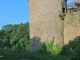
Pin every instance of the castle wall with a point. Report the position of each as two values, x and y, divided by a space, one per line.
71 26
45 22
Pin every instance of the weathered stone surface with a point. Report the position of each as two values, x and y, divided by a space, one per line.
71 27
45 22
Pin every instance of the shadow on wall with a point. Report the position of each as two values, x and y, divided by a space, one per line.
73 48
35 43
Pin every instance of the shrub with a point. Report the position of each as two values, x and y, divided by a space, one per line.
62 16
50 47
57 49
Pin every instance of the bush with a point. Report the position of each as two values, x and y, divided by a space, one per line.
73 48
50 47
62 16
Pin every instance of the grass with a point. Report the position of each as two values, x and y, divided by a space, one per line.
62 24
49 51
68 22
46 53
9 55
79 20
49 45
72 13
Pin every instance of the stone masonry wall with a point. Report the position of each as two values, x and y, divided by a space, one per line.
45 22
71 26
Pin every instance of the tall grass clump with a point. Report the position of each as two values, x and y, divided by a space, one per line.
79 20
49 45
52 48
57 49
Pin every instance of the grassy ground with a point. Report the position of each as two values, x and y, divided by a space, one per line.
8 55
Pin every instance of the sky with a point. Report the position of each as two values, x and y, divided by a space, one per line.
14 12
68 1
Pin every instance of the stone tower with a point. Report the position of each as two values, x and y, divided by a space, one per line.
45 22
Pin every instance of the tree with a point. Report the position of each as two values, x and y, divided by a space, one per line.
15 37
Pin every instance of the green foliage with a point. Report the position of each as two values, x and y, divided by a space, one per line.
4 40
72 13
14 45
68 22
73 48
15 37
57 49
9 55
62 16
62 23
20 40
49 45
79 20
1 56
10 27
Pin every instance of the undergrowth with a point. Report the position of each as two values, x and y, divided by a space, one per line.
49 51
50 47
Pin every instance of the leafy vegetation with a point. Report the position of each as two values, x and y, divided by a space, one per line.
62 16
15 37
14 45
68 22
49 45
57 49
79 20
63 24
73 48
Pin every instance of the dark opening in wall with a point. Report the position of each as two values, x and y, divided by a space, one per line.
64 10
64 6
